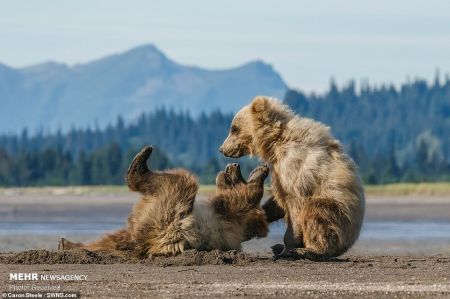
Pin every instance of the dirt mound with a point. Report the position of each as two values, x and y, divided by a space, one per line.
197 258
81 256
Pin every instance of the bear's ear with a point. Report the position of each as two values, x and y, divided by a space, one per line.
335 145
259 104
259 108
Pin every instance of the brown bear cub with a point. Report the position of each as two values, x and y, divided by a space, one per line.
168 219
316 186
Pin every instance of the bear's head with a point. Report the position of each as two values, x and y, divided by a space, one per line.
240 140
262 118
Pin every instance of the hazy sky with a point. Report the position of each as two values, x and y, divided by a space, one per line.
308 42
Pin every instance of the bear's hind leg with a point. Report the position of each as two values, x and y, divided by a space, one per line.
138 174
120 240
141 179
324 226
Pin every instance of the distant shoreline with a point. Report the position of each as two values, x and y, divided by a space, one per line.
438 189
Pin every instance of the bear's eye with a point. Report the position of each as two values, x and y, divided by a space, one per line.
234 130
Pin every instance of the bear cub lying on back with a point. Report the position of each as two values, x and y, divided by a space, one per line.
168 219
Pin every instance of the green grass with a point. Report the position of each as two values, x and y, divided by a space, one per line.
83 190
399 189
207 189
79 190
404 189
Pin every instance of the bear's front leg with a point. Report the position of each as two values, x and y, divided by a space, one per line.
272 210
292 239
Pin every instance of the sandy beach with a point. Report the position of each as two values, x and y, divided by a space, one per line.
232 274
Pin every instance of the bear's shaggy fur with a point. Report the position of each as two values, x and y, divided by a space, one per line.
315 185
168 219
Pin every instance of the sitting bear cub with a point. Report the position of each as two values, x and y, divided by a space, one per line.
169 219
316 186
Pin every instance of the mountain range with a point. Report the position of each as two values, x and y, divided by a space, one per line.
51 95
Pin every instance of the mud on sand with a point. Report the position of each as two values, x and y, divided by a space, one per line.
82 256
235 274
